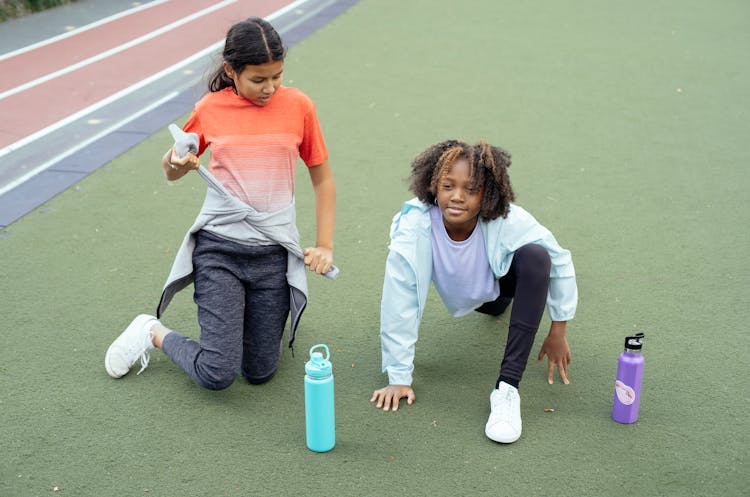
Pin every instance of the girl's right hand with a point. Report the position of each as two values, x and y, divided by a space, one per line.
389 396
175 167
189 161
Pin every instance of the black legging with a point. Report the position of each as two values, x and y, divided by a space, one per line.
526 283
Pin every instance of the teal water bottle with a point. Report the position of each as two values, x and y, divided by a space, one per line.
320 419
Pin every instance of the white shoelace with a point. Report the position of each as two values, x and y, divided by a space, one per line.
144 362
144 357
502 407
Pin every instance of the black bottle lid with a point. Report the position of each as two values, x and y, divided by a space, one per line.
634 342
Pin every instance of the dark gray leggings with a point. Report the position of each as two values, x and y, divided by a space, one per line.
526 284
242 296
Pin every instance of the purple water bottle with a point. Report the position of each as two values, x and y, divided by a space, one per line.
628 382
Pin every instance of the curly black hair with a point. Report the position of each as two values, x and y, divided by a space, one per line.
488 167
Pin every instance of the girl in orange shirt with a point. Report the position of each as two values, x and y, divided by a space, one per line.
244 279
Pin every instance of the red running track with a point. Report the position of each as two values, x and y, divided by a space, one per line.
37 91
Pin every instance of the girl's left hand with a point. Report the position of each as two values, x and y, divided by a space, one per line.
557 350
318 259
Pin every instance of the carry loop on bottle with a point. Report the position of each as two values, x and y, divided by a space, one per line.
320 420
628 381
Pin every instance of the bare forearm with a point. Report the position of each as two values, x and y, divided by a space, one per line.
325 213
324 187
558 328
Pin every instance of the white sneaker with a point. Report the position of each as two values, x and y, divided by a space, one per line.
132 344
504 424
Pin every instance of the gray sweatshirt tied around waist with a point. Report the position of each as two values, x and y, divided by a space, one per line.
237 220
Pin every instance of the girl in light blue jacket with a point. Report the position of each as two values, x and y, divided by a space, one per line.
463 234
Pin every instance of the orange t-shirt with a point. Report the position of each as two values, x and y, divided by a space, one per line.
254 150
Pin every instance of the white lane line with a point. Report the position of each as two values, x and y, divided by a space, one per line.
115 50
273 15
82 29
307 14
112 98
106 101
43 167
125 92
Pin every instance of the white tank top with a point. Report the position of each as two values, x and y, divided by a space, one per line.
461 271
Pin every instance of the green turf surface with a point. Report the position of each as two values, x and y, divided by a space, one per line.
628 122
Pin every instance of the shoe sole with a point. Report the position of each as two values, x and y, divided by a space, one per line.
108 368
141 319
505 441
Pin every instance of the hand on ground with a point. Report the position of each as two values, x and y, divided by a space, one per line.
556 348
388 397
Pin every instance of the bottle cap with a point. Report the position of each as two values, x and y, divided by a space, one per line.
634 342
319 366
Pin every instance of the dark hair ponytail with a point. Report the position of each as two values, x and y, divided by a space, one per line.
250 42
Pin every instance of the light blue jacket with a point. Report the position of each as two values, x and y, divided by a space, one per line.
408 274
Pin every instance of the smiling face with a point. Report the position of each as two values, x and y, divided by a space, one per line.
459 200
257 83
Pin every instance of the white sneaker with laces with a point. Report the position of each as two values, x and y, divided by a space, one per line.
504 424
132 344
